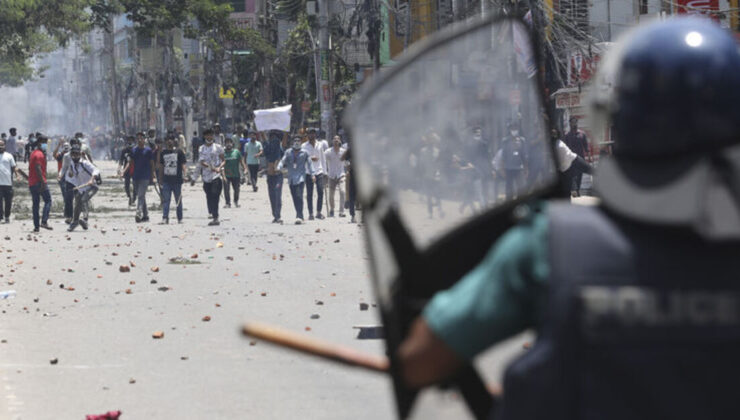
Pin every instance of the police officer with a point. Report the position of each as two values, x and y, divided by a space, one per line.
643 321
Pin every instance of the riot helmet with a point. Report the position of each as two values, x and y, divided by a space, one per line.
670 91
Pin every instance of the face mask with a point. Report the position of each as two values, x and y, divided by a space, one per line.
477 136
514 132
296 146
209 141
43 147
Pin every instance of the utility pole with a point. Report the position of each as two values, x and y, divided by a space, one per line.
326 102
110 48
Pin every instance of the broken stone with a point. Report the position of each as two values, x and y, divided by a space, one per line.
194 256
252 343
263 294
163 289
157 335
315 316
364 306
124 269
206 318
128 291
318 302
54 361
155 269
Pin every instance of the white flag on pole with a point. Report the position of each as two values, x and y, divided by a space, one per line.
273 119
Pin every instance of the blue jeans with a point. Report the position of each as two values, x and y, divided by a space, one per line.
36 196
141 185
167 191
319 193
68 196
296 191
275 191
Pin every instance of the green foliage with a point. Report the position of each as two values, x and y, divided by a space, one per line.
290 9
367 18
32 27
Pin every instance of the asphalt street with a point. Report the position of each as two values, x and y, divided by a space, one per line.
78 338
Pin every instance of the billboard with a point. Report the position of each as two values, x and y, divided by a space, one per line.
696 7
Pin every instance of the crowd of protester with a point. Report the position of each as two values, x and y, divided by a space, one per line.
223 163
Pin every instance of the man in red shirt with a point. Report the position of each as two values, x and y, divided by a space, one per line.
37 184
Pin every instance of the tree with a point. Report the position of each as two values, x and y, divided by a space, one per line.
32 27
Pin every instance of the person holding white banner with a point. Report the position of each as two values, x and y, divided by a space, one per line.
273 119
273 150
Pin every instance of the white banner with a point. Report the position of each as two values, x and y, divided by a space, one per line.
273 119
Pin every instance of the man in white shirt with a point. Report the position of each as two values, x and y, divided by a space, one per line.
315 149
568 162
81 174
335 172
7 169
10 143
211 159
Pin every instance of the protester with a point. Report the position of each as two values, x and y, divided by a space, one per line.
126 169
7 168
173 164
511 159
29 147
296 161
81 177
577 142
252 153
273 151
335 172
196 142
60 153
10 144
315 149
142 157
233 171
429 164
350 184
211 158
84 147
151 138
37 185
218 137
67 188
569 163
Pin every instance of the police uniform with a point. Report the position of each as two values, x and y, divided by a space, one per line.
644 321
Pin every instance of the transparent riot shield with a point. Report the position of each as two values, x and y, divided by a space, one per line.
444 146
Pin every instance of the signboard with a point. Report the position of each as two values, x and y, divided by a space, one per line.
226 93
273 118
567 100
697 7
